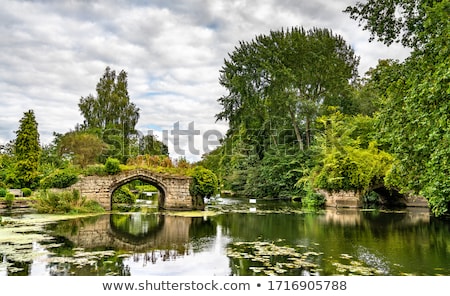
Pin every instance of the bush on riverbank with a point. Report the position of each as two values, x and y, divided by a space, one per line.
204 184
112 166
65 202
26 192
9 198
123 195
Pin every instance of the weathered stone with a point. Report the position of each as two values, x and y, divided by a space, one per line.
342 199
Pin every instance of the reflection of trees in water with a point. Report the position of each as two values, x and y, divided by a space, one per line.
157 255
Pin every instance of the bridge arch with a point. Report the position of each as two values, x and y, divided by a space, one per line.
162 188
174 189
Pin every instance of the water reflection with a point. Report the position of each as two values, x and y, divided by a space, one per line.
277 239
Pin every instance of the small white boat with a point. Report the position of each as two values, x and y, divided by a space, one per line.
252 200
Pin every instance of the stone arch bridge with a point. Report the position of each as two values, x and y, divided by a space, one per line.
173 189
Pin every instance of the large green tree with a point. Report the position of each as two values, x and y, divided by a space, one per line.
81 147
27 151
281 81
414 116
111 112
278 84
150 145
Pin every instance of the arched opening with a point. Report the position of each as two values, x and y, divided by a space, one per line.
117 190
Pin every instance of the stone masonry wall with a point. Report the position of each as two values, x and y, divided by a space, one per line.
342 199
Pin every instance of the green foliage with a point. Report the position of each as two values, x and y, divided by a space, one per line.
204 182
146 188
65 202
278 84
94 170
414 114
7 171
9 199
392 21
310 198
111 112
59 179
345 162
151 146
277 173
27 151
112 166
124 195
91 206
282 81
81 147
27 192
3 192
371 198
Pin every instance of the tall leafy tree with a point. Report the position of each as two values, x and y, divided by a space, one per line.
81 147
281 80
149 144
27 150
111 112
414 117
278 84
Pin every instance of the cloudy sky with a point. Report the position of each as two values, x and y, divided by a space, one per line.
54 52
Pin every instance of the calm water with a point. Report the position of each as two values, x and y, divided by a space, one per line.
266 238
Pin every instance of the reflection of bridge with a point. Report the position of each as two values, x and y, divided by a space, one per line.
167 233
174 190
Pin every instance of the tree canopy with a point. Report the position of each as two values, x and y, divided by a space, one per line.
111 112
288 75
82 147
278 84
415 95
392 21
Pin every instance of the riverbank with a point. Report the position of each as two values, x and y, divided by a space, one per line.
19 205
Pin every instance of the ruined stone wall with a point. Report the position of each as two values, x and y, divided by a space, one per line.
353 199
342 199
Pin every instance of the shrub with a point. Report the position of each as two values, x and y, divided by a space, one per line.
92 206
59 179
353 168
9 198
95 170
204 184
3 192
112 166
26 192
123 195
65 202
312 199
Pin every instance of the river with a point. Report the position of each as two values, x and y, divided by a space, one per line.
233 237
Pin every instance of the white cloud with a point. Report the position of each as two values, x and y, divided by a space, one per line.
54 52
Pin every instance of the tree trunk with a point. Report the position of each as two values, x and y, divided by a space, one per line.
308 132
297 131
